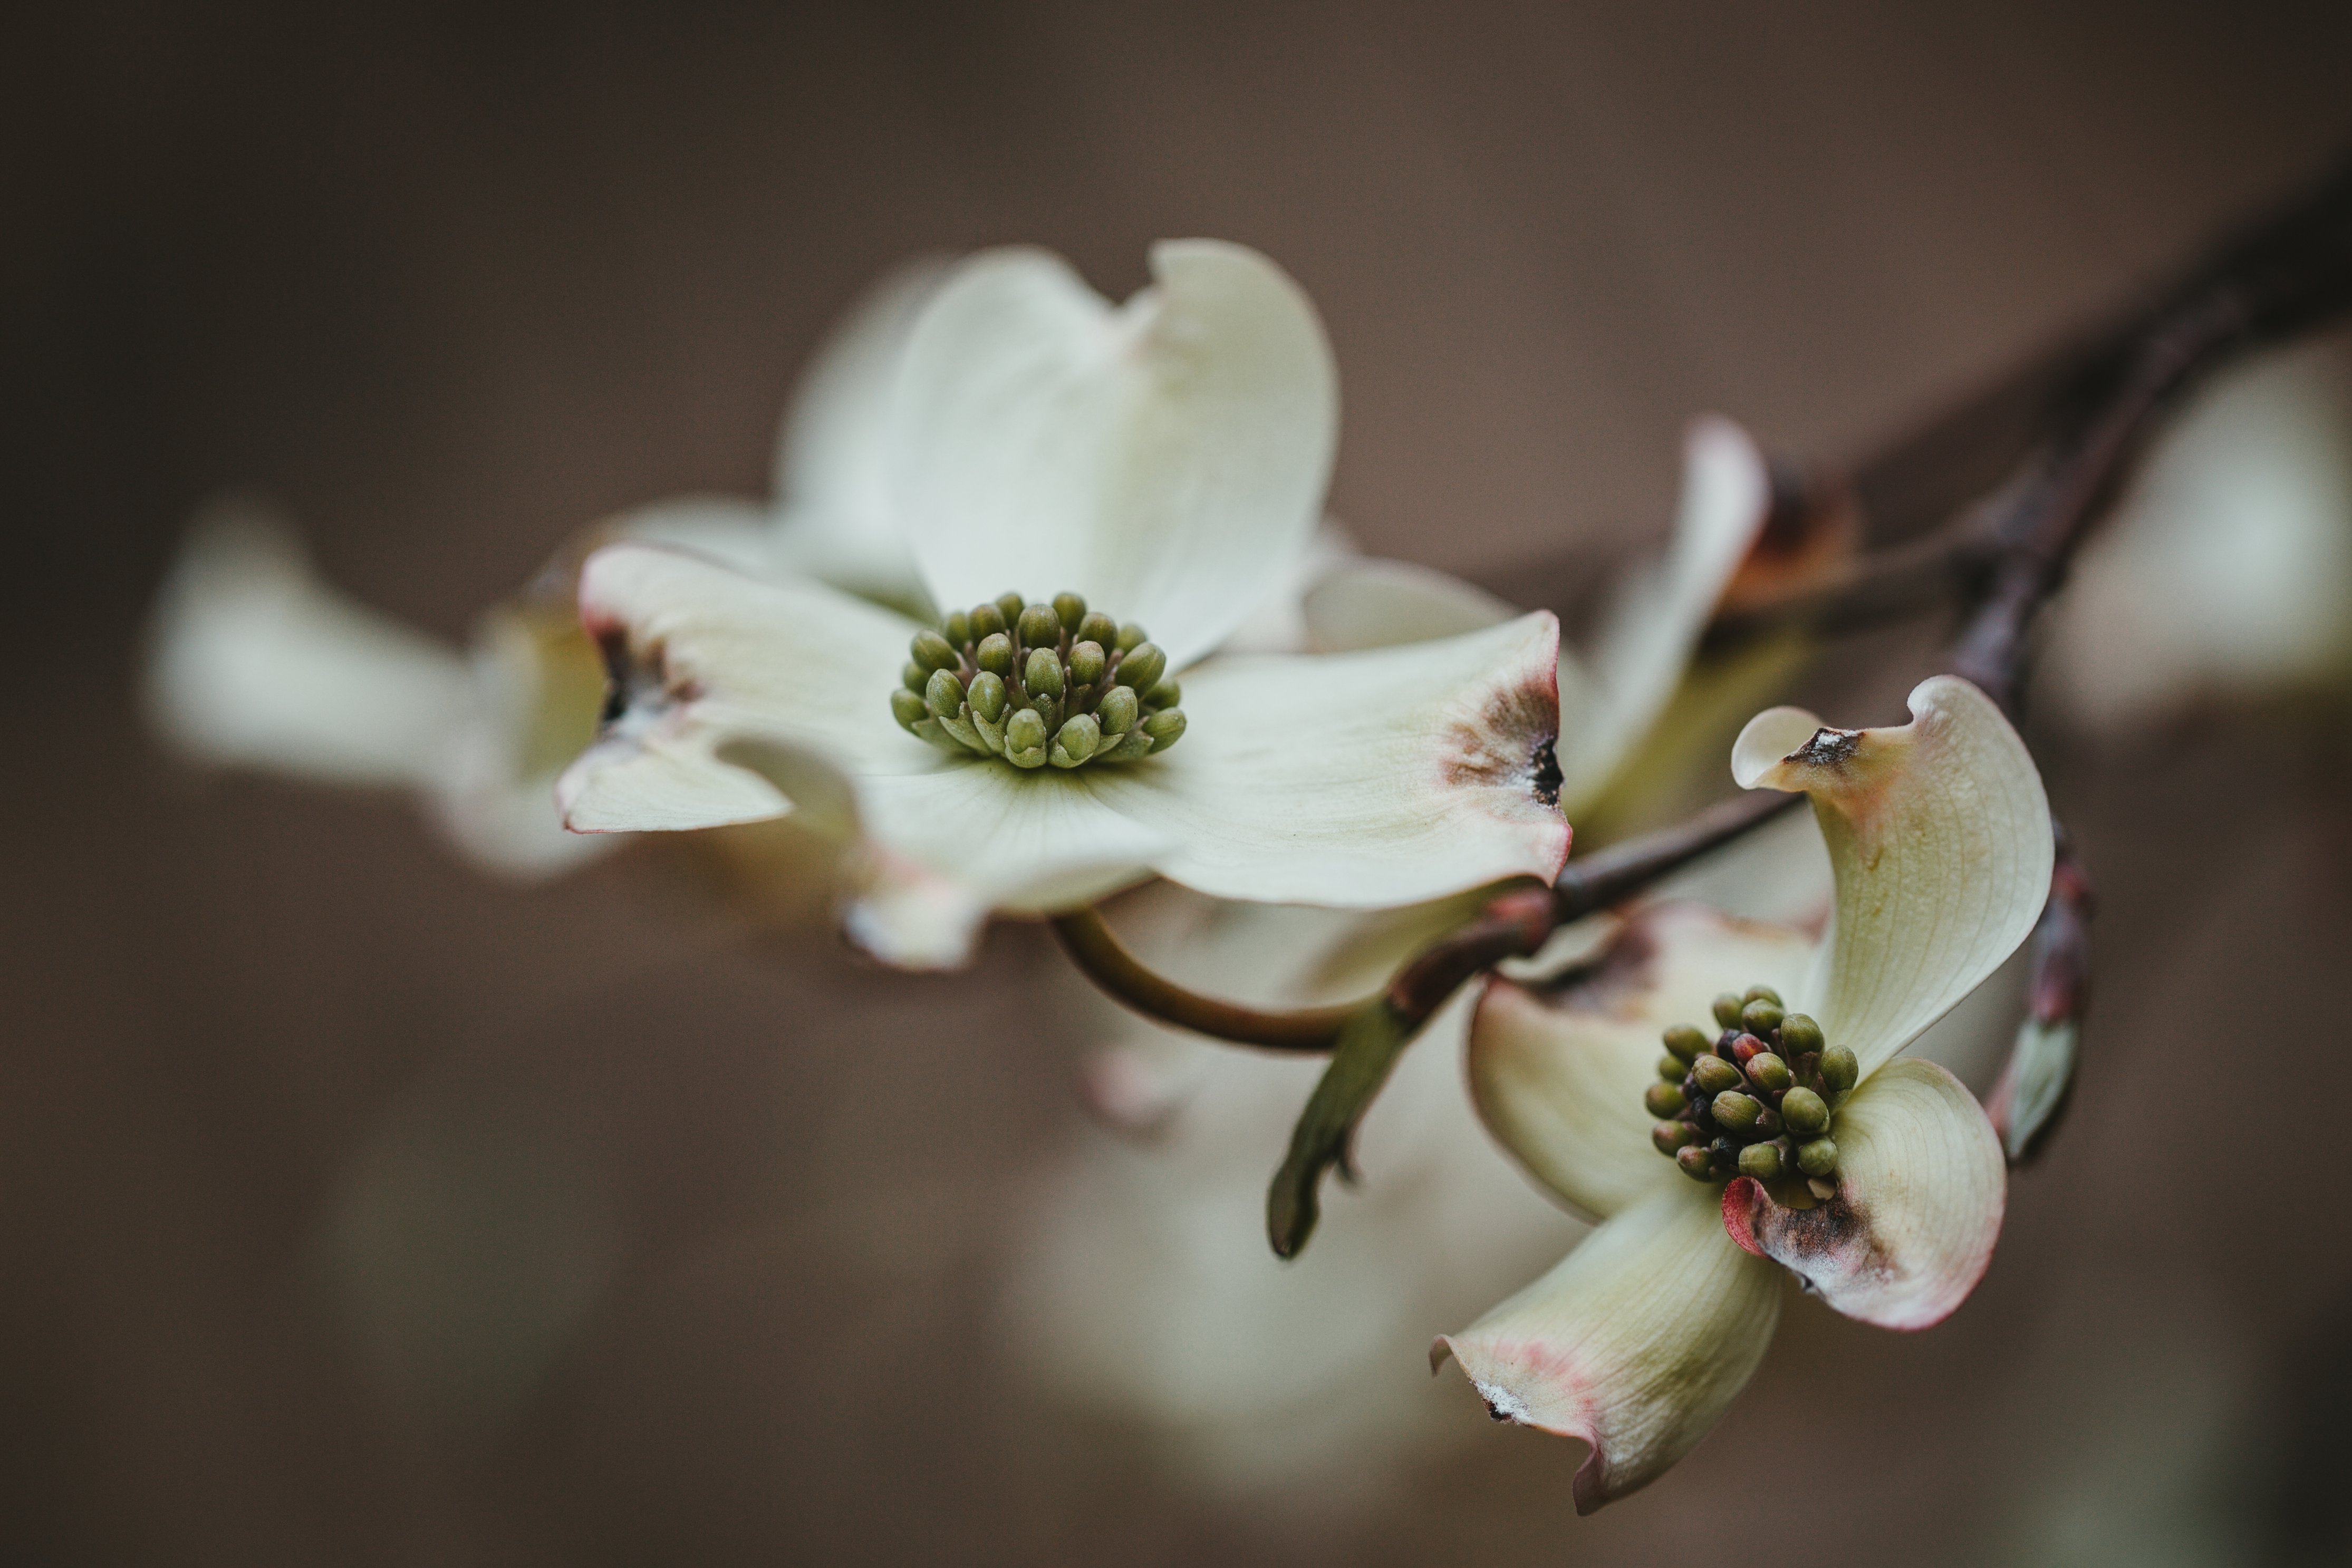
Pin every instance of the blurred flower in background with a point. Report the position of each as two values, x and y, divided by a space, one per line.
254 661
2225 574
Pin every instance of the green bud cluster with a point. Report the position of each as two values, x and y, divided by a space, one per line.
1755 1100
1040 682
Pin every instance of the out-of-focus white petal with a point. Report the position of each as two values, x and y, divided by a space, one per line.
1360 779
1558 1073
1376 603
1651 628
1278 623
735 533
1166 458
256 663
1921 1188
2227 568
1939 842
1636 1343
836 516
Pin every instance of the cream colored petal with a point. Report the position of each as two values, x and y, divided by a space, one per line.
1029 842
836 516
709 656
1559 1073
1376 603
1636 1343
1362 779
1652 626
255 663
1939 843
1921 1188
735 533
1166 458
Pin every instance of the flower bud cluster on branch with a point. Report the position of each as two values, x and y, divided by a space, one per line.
906 692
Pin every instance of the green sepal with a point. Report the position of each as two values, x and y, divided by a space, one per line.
1369 1042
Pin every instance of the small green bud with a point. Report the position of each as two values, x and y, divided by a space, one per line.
1118 710
987 696
1817 1158
1807 1113
1686 1043
1165 727
1131 637
931 651
1695 1163
1726 1009
944 695
1142 667
1133 746
958 629
1663 1100
1713 1075
996 654
1097 627
1087 663
1672 1068
1761 1160
1668 1136
1070 609
1025 738
1167 693
1009 606
1735 1112
1760 1016
1839 1069
914 677
986 621
1079 737
908 709
1043 673
1768 1073
1800 1034
1040 627
1761 994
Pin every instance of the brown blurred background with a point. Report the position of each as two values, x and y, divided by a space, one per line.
353 1210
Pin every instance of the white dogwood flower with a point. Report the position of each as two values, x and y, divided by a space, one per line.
1807 1146
1077 474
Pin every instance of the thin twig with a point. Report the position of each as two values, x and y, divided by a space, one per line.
1099 955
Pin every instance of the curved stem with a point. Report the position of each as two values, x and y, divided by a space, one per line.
1100 954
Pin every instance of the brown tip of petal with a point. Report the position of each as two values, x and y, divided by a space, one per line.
1440 1350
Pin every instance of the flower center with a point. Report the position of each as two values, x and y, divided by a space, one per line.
1757 1100
1039 683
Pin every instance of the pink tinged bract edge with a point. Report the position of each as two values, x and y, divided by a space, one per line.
1922 1188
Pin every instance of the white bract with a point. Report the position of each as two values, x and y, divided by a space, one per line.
1940 848
255 662
1166 461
